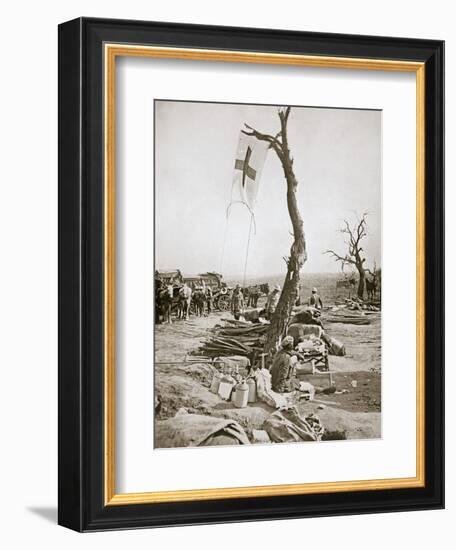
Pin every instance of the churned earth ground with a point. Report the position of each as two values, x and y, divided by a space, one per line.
353 414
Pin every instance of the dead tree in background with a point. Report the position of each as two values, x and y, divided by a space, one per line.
298 254
355 235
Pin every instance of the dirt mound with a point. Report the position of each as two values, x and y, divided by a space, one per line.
177 391
200 373
353 414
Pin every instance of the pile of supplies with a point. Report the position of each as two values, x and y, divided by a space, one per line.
234 338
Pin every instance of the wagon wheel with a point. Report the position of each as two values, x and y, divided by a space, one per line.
223 302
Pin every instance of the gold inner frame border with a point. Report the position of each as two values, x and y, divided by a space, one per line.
111 53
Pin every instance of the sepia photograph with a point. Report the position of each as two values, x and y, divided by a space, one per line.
268 274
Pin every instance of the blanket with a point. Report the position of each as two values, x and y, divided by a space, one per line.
193 430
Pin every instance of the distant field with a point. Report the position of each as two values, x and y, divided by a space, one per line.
324 282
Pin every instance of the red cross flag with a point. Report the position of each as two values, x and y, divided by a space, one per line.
250 158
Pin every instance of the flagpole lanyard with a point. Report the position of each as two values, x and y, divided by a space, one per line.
226 230
247 251
223 246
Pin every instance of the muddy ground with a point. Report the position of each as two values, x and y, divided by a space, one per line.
354 414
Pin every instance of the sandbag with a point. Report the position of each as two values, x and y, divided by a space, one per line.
220 439
334 346
260 436
289 426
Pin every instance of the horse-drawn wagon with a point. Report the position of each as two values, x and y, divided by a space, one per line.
169 277
171 284
200 283
221 293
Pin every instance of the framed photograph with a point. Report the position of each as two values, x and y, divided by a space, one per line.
251 313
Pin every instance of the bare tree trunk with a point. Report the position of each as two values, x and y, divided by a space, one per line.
355 235
298 254
362 280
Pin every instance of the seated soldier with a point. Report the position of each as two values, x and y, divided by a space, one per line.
283 378
315 300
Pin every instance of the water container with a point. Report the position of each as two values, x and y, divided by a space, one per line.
252 390
242 395
216 382
226 385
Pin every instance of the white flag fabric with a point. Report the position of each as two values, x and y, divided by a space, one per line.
250 158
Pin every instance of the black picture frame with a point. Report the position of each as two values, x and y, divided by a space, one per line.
81 400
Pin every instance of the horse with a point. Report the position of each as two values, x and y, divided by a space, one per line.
371 288
199 301
184 301
164 302
158 286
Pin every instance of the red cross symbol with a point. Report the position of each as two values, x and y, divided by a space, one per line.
244 165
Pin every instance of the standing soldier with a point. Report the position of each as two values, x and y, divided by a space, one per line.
272 301
237 303
254 295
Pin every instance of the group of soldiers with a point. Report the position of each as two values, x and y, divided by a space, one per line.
238 302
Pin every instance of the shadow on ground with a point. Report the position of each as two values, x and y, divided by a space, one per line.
49 513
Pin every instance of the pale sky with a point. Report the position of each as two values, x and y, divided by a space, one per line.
337 161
